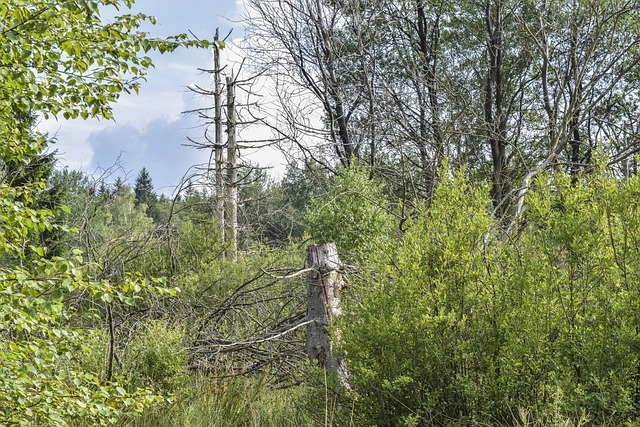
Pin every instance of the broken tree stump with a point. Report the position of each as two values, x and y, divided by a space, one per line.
323 309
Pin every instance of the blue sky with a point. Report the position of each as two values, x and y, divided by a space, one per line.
150 129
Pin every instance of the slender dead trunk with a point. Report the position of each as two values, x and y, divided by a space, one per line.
323 308
345 149
549 106
218 145
231 220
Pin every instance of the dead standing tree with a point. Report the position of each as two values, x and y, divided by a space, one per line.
231 205
215 145
218 145
323 309
226 171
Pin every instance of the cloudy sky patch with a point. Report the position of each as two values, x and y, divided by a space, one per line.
158 146
149 129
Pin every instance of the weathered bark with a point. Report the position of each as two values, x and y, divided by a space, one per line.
231 217
218 145
323 308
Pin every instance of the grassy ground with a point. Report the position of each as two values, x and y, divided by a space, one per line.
205 402
231 402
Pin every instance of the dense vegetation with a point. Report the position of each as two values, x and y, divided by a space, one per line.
491 243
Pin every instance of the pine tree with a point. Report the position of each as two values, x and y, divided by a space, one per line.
32 171
144 188
145 194
120 188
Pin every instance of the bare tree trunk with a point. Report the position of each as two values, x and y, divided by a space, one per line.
231 220
428 44
575 90
323 308
218 146
111 349
345 149
550 106
494 105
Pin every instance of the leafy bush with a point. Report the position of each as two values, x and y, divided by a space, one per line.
42 375
59 59
458 325
352 212
157 356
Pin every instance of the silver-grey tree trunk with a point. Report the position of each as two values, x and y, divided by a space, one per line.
323 308
218 145
231 217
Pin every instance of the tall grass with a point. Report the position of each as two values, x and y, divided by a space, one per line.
207 402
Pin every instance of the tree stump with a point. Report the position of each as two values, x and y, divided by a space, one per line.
323 309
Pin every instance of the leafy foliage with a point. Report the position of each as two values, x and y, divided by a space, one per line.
447 320
40 381
157 356
351 212
57 58
457 323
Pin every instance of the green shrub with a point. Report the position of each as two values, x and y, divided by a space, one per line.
157 356
352 212
457 325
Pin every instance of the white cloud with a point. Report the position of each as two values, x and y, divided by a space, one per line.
73 136
158 146
73 151
149 105
149 128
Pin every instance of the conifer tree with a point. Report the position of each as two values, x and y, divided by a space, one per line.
145 195
144 188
